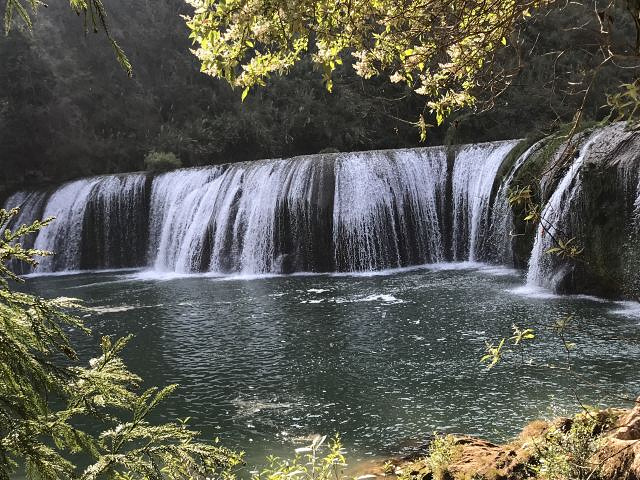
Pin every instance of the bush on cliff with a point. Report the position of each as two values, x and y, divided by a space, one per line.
161 161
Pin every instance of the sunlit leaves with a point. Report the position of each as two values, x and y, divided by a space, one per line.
566 248
317 461
442 50
625 105
443 450
16 7
520 195
494 354
533 214
520 335
422 126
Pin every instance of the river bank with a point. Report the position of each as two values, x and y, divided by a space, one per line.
594 444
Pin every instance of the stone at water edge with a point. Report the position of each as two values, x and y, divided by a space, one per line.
620 452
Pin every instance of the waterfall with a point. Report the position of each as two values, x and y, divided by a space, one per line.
474 175
99 223
317 213
175 200
249 218
556 221
63 237
386 211
500 243
271 192
114 228
31 206
358 211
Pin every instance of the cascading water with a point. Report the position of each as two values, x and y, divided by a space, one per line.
114 229
248 218
499 247
386 211
273 193
64 236
474 175
374 210
555 222
336 212
176 198
31 205
99 223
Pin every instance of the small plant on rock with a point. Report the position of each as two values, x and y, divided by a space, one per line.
443 451
567 450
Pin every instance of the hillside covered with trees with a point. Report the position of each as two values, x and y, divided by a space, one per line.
75 113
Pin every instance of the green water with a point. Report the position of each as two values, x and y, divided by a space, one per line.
385 360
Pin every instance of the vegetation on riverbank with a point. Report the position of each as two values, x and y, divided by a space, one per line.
592 445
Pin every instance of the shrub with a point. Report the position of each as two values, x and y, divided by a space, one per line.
443 450
329 150
309 463
161 161
567 450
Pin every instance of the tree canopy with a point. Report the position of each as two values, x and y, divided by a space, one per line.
444 50
441 49
93 13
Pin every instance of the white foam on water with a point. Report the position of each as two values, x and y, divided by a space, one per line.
381 297
250 407
627 309
499 271
113 309
146 275
452 266
532 291
65 273
483 268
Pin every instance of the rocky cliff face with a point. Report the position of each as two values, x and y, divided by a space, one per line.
589 189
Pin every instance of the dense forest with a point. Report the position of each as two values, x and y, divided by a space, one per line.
67 110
